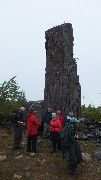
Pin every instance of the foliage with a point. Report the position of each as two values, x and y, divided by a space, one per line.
10 97
91 113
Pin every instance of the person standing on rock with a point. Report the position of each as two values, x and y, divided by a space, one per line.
32 131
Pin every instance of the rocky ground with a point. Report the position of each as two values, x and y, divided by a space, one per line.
44 165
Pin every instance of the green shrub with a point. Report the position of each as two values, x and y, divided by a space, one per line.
91 113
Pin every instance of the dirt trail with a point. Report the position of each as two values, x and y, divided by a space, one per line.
44 165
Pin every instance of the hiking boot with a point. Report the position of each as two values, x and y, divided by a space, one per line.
28 151
19 147
37 152
15 148
72 171
53 152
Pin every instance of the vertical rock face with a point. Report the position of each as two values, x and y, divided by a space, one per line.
62 87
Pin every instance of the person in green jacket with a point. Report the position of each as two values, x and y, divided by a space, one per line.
70 144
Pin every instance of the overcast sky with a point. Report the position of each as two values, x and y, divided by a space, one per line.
22 43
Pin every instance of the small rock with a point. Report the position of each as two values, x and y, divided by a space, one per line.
86 156
47 174
89 135
18 157
17 176
27 174
82 136
26 168
2 158
24 143
98 144
98 134
97 153
9 147
43 160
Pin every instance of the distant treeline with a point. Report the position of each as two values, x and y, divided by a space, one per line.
11 98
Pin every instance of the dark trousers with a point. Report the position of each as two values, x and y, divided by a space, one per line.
31 143
18 131
55 139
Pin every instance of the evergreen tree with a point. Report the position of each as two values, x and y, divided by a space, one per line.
10 98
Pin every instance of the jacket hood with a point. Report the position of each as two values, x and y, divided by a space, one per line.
72 120
30 114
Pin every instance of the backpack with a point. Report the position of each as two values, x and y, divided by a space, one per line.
66 138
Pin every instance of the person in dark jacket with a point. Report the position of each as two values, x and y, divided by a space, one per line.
46 120
18 129
32 125
23 119
70 144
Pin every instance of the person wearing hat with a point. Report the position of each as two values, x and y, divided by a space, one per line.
70 144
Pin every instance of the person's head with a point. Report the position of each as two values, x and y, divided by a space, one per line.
49 109
71 114
58 112
54 115
32 111
22 108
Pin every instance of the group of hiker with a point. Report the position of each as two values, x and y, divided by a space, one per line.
61 131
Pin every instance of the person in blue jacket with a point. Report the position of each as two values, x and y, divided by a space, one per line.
47 118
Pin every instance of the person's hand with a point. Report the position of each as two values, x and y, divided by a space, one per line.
22 123
76 136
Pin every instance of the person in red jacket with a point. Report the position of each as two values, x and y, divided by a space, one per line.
32 125
61 118
55 128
